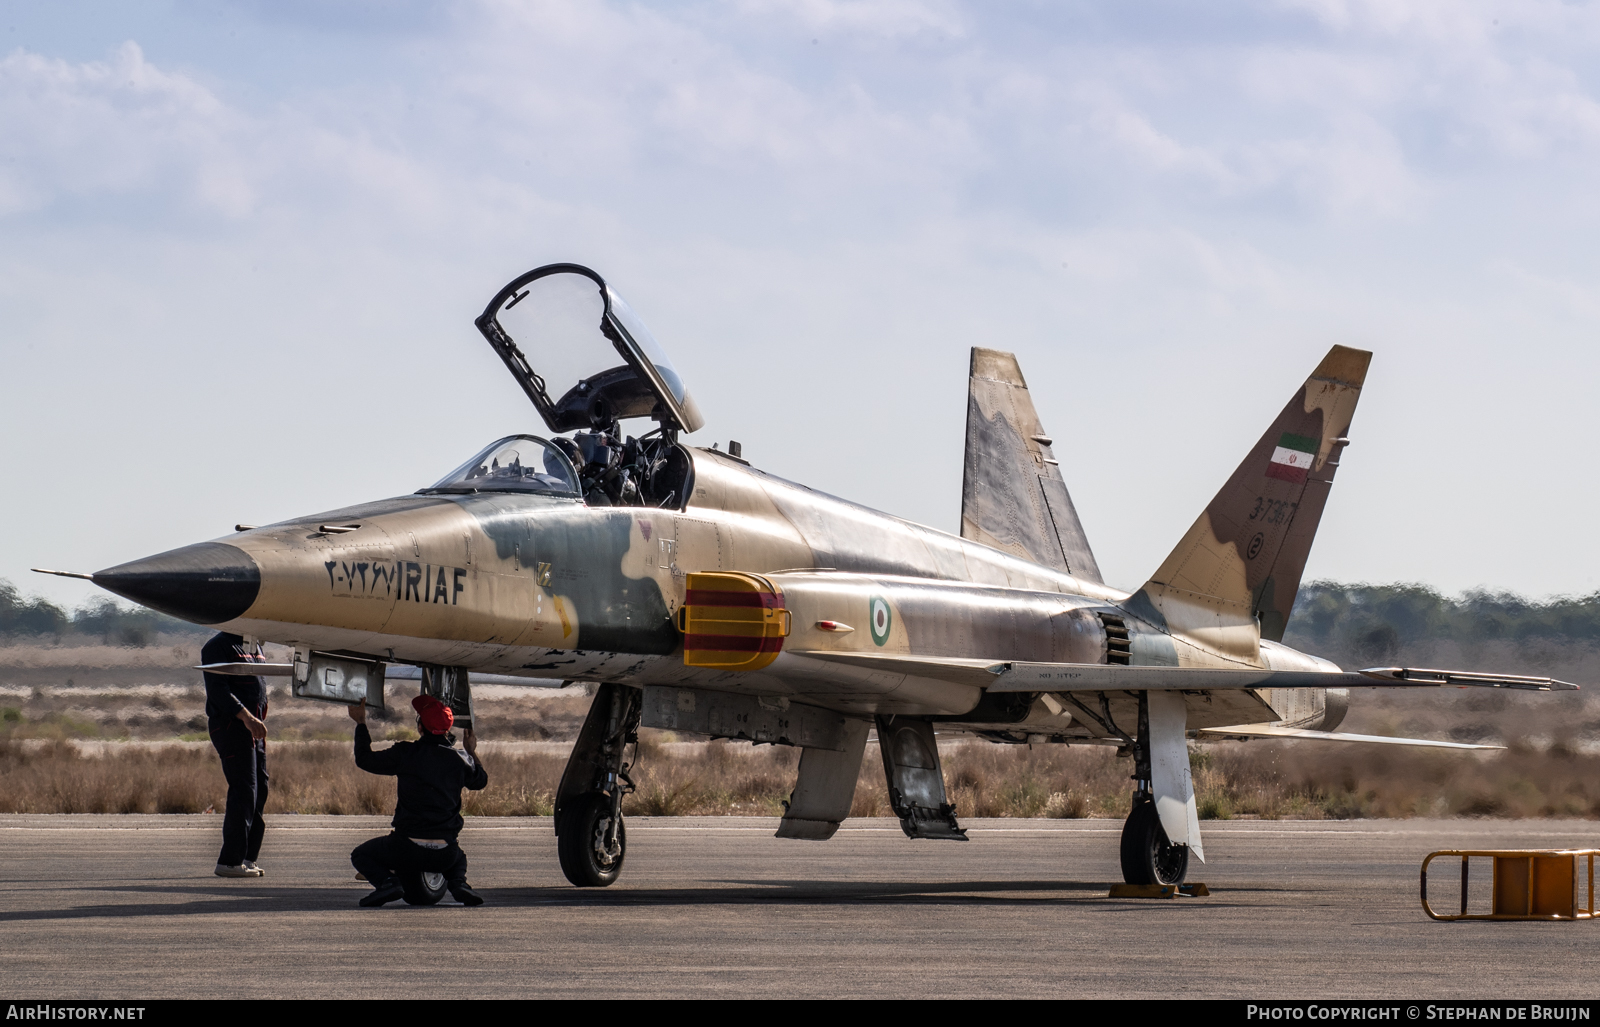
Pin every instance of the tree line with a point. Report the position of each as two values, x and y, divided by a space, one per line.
1374 618
38 618
1379 619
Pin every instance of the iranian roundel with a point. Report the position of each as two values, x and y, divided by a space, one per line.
880 619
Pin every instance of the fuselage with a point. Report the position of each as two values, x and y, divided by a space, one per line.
549 587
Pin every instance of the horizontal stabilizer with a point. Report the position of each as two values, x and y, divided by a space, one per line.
1274 731
1100 677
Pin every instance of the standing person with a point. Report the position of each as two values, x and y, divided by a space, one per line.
427 811
236 711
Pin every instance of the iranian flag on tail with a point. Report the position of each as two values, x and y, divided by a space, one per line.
1292 459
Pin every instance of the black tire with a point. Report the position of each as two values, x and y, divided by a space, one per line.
581 846
422 888
1147 856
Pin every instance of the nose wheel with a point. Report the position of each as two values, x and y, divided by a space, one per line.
591 848
591 838
422 887
1147 856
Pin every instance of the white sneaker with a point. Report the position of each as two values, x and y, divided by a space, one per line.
252 865
223 870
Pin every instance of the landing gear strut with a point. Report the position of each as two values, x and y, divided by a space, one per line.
1147 856
591 839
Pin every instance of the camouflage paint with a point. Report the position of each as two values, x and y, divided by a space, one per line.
1013 497
1232 579
559 589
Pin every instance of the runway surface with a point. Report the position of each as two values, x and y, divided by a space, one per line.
126 907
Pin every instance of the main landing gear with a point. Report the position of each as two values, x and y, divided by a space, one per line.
1147 856
591 839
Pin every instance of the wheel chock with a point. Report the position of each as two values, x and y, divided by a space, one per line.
1525 884
1156 891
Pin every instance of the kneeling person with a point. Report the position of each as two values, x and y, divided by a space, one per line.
427 813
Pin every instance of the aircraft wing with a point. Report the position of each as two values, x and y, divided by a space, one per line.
1099 677
1243 731
976 673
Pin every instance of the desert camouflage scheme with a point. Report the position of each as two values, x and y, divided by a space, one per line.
704 594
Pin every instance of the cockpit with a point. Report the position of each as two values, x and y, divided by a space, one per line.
563 324
601 468
520 463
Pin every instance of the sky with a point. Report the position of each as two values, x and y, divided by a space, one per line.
242 245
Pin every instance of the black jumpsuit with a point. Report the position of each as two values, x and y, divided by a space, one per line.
244 760
432 773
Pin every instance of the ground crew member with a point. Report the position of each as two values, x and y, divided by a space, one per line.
427 812
236 711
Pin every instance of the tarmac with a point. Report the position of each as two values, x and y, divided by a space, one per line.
126 907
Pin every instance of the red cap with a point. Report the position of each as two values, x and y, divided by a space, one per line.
435 716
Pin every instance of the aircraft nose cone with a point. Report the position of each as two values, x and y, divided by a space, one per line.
206 583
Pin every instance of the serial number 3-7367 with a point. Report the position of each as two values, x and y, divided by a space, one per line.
1273 511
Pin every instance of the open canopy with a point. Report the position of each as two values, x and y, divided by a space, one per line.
560 329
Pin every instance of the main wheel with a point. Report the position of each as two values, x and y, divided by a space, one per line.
422 887
586 858
1147 856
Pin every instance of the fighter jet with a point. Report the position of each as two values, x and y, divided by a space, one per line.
701 594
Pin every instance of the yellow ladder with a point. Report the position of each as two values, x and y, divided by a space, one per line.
1526 884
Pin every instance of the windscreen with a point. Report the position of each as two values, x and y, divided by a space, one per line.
521 463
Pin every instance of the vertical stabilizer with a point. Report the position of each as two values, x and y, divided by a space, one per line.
1239 566
1012 494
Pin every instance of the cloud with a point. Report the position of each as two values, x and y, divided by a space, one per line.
1108 190
560 102
111 127
882 18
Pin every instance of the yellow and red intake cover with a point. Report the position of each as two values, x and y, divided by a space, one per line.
732 621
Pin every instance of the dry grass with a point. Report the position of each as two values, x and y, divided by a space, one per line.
306 777
1232 780
1341 781
51 696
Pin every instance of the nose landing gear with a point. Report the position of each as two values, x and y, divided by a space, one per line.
422 887
591 839
593 842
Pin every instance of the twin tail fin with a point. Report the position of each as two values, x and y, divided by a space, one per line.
1232 580
1013 497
